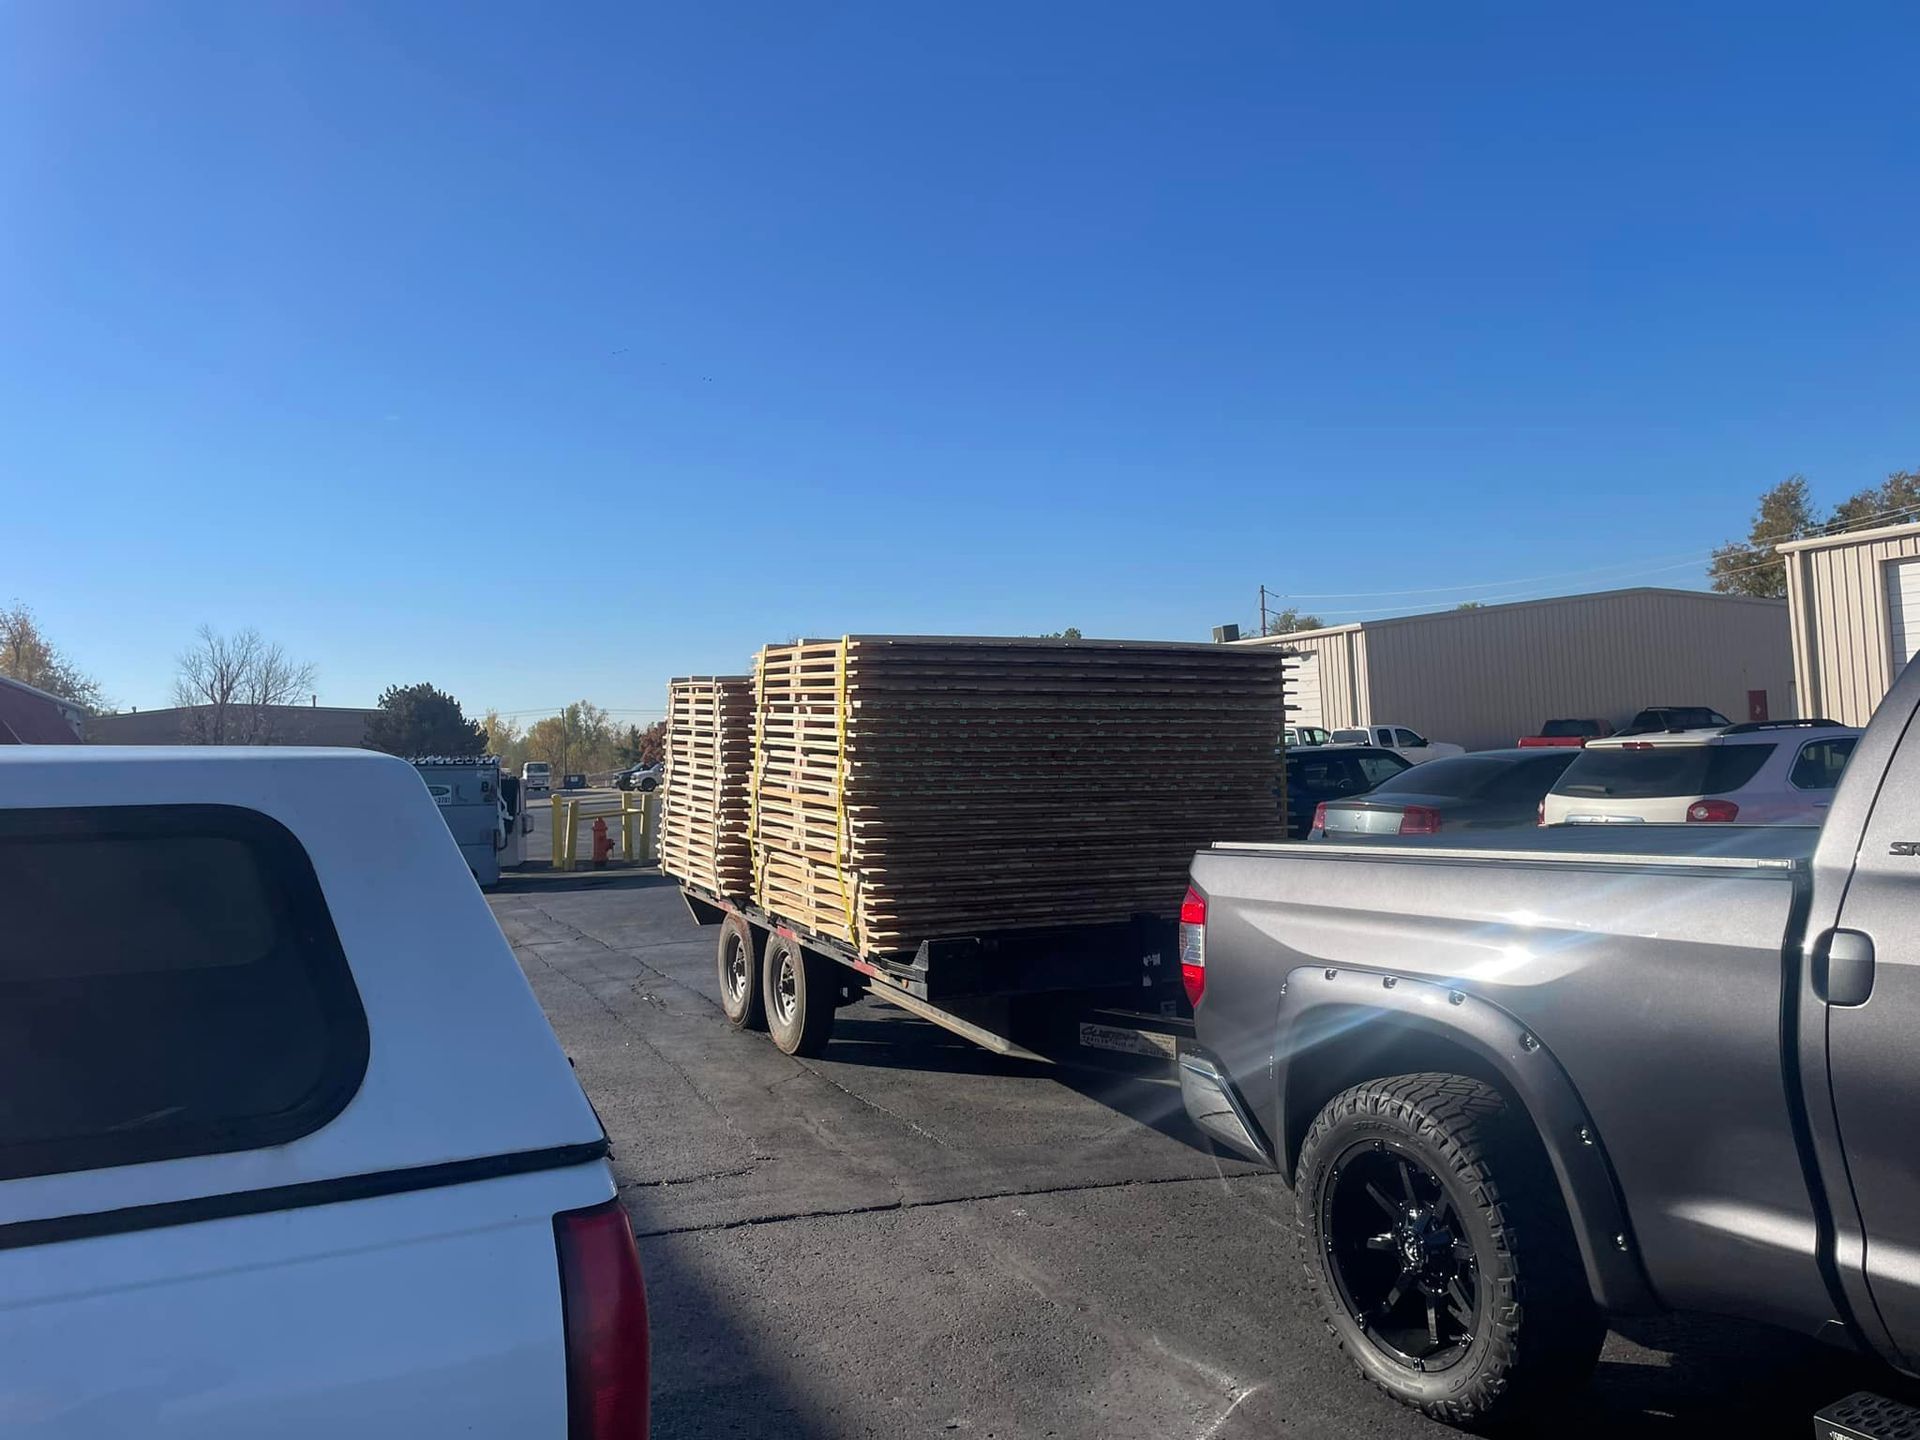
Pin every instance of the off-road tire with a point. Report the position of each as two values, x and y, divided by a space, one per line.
739 948
1537 1332
799 1010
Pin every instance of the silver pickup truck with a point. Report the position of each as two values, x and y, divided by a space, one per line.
1617 1070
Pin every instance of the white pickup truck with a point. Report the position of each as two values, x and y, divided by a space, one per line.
287 1147
1410 745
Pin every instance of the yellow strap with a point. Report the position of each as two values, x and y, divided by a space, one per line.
840 795
756 852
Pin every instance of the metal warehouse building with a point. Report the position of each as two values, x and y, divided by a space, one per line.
1484 677
1854 604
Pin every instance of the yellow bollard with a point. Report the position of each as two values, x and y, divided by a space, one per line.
650 828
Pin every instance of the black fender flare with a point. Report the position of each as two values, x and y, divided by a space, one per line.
1321 1008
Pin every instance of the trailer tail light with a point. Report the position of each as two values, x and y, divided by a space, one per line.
1193 945
603 1305
1419 820
1320 817
1708 811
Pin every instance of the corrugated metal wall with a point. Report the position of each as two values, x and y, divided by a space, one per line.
1482 678
1343 687
1303 689
1843 650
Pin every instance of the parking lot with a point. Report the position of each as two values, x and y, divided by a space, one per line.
910 1236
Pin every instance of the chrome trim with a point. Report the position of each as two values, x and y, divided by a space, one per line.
1212 1105
1306 850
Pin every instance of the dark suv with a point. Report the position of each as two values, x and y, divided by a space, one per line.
1316 774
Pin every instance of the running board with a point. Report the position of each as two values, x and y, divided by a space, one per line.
1866 1416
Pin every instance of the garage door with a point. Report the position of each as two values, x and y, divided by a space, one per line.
1303 682
1903 608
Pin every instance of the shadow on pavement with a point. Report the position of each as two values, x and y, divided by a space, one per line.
539 880
1690 1374
716 1374
1140 1090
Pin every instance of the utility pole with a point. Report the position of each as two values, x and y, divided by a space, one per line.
1263 610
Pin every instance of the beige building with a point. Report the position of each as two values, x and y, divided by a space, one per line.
1854 605
1486 676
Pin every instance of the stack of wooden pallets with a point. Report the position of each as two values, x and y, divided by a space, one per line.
910 787
706 812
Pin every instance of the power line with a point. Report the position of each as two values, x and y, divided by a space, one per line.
558 709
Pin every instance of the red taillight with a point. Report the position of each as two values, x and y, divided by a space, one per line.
1419 820
604 1307
1193 945
1320 817
1711 810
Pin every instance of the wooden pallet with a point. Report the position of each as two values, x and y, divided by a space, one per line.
707 806
907 786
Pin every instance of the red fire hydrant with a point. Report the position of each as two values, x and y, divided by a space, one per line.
602 843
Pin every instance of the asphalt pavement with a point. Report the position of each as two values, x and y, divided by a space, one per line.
910 1236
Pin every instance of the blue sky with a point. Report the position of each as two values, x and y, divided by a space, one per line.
548 352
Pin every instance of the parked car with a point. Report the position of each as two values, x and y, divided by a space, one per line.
1300 736
1518 1088
1409 745
1570 733
1489 789
1320 774
259 1173
1674 717
640 777
1774 772
536 777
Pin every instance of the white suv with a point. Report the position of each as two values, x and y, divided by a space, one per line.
287 1147
1778 772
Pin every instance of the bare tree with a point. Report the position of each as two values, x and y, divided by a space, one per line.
232 684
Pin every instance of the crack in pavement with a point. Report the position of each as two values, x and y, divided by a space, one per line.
728 1174
887 1206
625 1024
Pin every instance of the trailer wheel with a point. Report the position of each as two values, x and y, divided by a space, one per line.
800 990
739 961
1434 1233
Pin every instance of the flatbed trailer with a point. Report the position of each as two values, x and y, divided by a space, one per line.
1047 993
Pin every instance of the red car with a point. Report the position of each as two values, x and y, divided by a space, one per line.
1570 733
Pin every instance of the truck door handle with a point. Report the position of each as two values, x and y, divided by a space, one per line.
1843 968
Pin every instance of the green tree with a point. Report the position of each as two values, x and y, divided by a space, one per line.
506 739
1894 501
421 720
1471 605
1287 621
581 739
1072 632
1749 567
28 656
